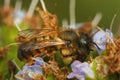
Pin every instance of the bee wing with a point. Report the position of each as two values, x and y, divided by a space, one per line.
31 33
27 33
47 44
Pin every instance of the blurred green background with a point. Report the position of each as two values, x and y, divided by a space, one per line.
85 10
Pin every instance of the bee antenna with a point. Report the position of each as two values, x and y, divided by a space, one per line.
6 4
32 7
18 5
43 5
72 13
16 25
113 19
96 20
16 65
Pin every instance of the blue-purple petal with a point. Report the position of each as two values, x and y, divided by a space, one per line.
74 75
78 70
100 38
34 69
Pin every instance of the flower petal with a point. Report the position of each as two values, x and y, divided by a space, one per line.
100 39
80 70
32 71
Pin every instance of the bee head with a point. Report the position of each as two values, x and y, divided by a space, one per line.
84 39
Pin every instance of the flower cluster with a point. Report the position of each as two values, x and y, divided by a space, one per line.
30 72
101 38
113 56
80 70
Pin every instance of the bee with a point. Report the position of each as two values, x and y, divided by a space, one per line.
72 43
41 42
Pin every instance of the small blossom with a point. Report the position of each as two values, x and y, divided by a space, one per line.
101 38
80 70
18 16
31 72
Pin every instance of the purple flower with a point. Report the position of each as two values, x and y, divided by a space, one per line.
100 39
31 72
80 70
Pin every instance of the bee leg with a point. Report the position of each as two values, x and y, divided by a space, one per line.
52 57
21 55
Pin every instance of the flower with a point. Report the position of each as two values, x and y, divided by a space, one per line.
31 72
80 70
18 16
101 38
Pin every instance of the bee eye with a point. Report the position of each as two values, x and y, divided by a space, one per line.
68 42
83 41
